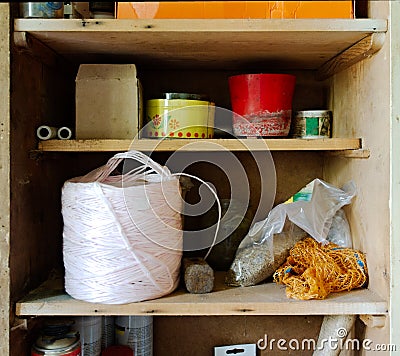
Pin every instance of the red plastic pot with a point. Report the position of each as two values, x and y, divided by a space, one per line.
262 104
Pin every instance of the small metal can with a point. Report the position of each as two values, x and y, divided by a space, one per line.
57 339
68 346
312 124
42 9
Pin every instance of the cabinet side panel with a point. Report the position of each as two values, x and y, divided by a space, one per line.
40 94
395 174
361 106
4 176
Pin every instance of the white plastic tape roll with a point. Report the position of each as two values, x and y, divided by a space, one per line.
64 133
45 132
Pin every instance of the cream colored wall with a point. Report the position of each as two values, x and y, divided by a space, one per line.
360 100
395 174
4 177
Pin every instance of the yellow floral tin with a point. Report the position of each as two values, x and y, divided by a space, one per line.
179 118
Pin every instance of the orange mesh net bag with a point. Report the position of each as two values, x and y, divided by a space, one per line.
314 270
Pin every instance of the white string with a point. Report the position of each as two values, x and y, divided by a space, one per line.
123 235
218 203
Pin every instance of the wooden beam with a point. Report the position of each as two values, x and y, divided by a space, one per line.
360 153
359 51
373 321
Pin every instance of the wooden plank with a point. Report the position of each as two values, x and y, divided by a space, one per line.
265 299
361 153
288 43
201 25
100 145
5 318
374 321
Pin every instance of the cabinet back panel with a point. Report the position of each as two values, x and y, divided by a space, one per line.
309 93
197 336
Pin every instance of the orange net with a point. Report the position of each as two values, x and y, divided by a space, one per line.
313 270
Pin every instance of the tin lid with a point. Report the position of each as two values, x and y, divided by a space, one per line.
68 342
57 327
313 113
186 96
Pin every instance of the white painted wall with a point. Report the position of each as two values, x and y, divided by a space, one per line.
395 174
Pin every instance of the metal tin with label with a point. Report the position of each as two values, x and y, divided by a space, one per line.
312 124
42 9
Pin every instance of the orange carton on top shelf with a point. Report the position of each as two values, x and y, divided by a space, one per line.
317 9
235 9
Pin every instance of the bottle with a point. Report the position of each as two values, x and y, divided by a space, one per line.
135 332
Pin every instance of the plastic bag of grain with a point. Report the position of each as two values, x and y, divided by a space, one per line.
268 242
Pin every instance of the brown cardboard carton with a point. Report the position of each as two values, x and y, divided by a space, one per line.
108 101
235 9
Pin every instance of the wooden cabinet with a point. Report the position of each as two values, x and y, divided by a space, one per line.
346 65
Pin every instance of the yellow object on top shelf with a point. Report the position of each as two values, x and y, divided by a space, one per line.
235 9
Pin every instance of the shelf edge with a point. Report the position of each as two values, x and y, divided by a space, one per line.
263 299
195 25
210 145
197 308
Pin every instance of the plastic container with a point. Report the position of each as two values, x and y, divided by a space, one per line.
263 104
89 328
180 117
135 332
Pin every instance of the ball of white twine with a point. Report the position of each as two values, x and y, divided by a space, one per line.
123 238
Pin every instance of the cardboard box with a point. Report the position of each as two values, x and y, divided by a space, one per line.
235 9
108 101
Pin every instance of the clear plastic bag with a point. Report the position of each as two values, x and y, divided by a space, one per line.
258 256
339 233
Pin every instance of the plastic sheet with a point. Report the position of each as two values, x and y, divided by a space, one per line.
314 217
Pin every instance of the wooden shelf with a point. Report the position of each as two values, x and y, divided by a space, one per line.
326 44
149 145
264 299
